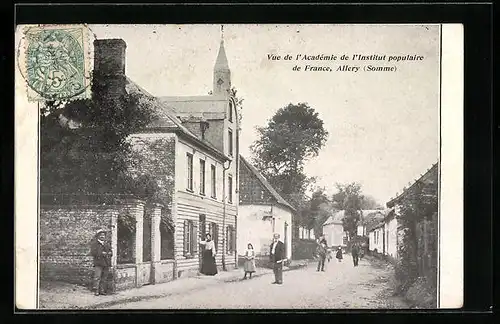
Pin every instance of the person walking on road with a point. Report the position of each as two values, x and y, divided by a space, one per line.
101 253
277 257
321 252
355 254
249 265
339 254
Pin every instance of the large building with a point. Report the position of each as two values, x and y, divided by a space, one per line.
192 152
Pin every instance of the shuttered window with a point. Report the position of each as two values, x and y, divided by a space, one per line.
214 229
190 245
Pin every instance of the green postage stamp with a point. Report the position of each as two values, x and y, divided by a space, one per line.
56 62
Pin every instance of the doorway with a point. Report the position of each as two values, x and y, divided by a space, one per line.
202 229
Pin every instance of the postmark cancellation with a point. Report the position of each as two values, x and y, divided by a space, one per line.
55 62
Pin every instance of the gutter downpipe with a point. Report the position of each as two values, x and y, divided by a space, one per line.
237 186
224 196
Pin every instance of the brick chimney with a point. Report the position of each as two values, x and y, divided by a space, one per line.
109 56
109 68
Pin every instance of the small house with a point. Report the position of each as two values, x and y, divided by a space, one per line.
262 212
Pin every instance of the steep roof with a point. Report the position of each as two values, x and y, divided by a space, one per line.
427 176
167 120
266 184
366 216
221 63
209 106
375 220
370 214
374 225
336 218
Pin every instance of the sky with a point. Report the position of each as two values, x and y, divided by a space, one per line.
383 126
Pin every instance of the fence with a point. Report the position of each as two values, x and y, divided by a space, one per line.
303 249
426 235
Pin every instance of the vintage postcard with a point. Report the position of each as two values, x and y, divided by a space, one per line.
241 167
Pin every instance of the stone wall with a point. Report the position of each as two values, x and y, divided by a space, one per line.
65 236
67 231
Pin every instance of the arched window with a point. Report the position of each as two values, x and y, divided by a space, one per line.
230 111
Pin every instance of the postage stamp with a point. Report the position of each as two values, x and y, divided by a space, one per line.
56 63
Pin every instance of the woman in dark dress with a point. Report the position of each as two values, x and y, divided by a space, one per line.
208 266
339 254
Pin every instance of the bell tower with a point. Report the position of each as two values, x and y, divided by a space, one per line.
222 74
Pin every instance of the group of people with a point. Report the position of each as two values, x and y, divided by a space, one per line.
101 252
324 253
209 266
276 254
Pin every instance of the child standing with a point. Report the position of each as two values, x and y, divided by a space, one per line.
339 254
249 265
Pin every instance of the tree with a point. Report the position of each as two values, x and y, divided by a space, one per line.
292 136
84 147
319 210
368 202
349 198
239 104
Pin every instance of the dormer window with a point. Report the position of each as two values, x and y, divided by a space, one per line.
230 111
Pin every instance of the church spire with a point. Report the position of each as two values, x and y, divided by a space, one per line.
222 74
221 62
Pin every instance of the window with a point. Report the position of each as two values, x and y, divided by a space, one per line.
230 239
230 111
230 189
230 141
189 171
213 181
202 177
190 244
214 230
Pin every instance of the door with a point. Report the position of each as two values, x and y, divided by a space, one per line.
202 231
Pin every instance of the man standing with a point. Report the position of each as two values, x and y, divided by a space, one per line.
321 252
355 254
101 251
322 239
277 257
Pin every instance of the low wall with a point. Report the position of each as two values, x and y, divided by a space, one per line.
125 276
163 271
143 274
66 232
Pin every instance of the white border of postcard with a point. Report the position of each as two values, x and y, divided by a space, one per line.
450 284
